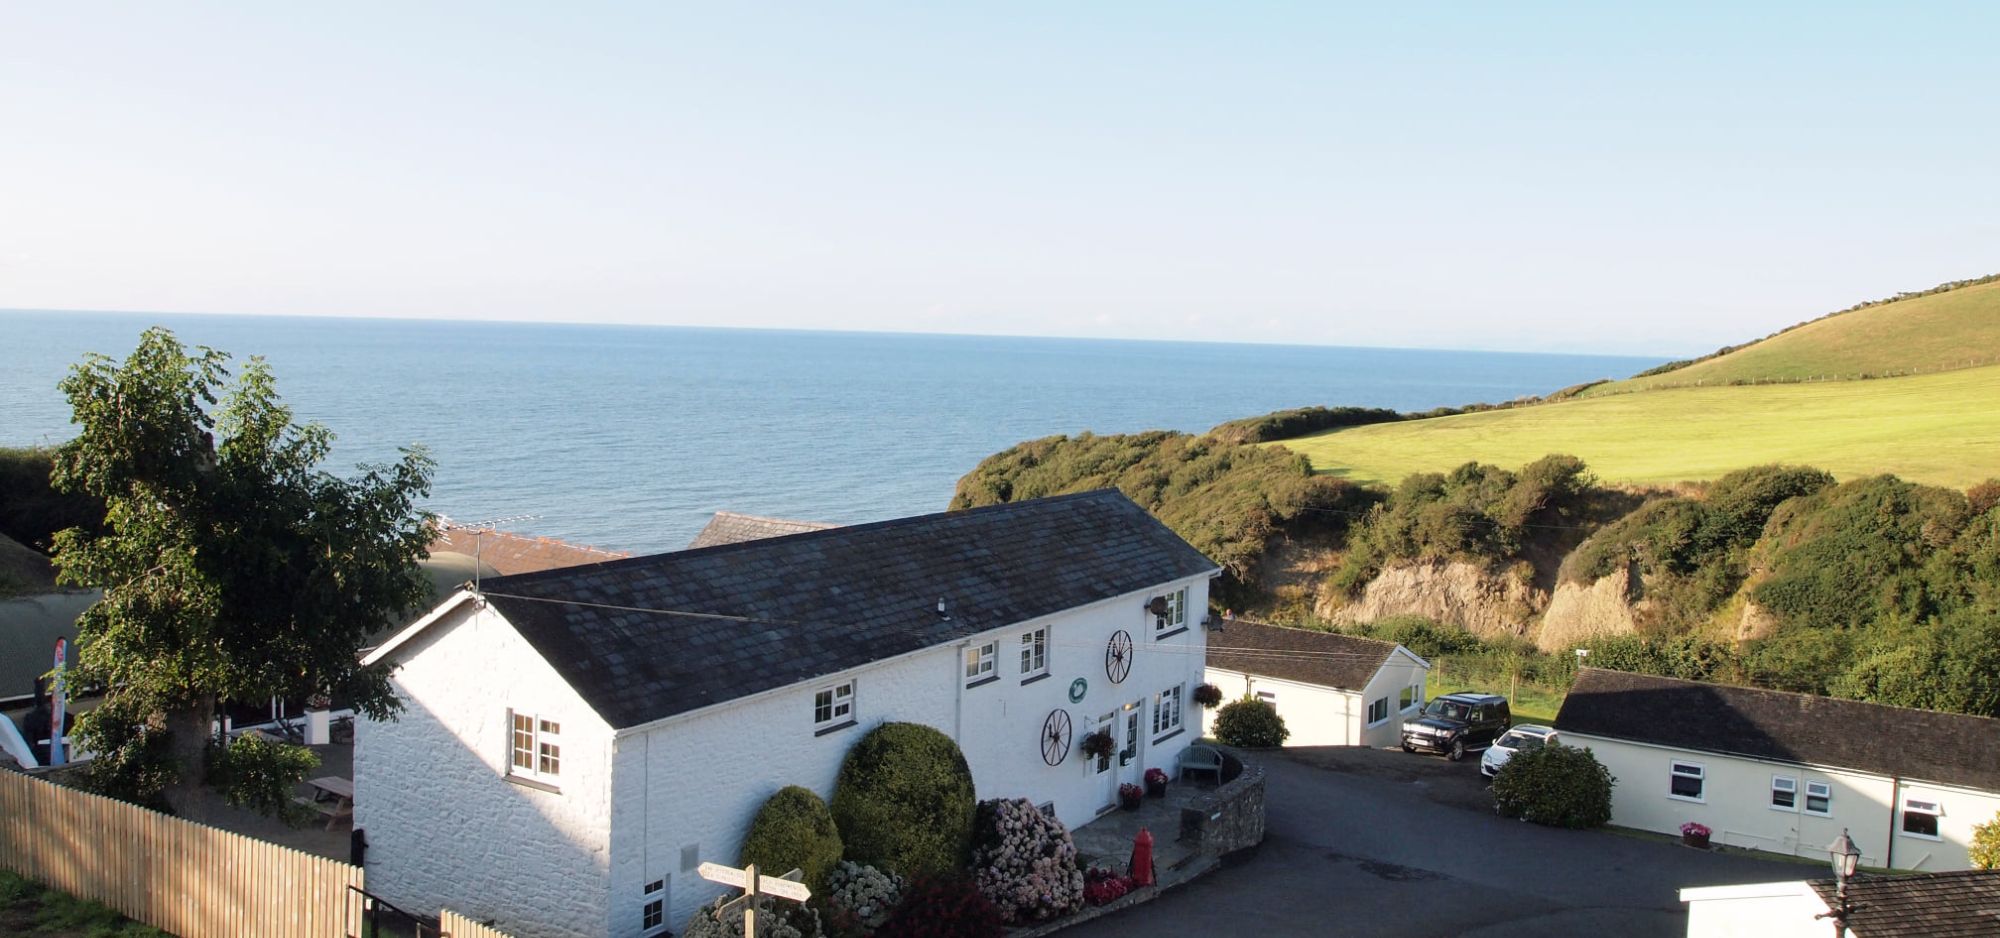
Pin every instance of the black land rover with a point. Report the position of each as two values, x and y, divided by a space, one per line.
1456 724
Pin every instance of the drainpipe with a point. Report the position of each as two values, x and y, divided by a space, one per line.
1895 798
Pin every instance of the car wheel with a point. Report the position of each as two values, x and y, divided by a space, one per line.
1457 750
1409 748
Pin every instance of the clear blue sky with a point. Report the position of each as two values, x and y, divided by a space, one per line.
1589 177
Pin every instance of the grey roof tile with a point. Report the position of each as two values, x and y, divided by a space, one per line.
1328 659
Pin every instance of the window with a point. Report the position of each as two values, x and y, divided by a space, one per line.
1685 781
979 662
1409 699
1819 799
537 747
653 907
1167 711
833 707
1176 614
1920 818
1035 653
1378 710
1784 793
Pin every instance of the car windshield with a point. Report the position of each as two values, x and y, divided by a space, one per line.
1447 709
1521 741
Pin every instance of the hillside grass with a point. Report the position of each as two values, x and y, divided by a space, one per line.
1942 429
1959 328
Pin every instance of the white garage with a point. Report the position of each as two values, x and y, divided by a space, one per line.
1332 689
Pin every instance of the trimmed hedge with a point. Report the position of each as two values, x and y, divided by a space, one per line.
794 830
1556 786
904 801
1251 724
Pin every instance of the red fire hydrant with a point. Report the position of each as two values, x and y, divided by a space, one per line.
1142 858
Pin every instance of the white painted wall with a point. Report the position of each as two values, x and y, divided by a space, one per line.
1401 670
1760 910
445 827
1318 715
1736 805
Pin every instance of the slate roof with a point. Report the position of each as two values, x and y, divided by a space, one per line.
1951 748
1328 659
29 627
728 527
518 553
1960 904
827 601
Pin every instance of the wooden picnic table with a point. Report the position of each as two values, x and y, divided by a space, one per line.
333 796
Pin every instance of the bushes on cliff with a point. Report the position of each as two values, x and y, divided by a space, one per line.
1250 723
1557 786
1299 421
793 830
903 801
1475 512
1024 861
1856 554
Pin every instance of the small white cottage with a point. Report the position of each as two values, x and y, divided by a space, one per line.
577 741
1331 689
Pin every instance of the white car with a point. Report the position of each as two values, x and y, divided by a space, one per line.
1525 736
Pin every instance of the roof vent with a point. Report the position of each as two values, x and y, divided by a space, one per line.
941 613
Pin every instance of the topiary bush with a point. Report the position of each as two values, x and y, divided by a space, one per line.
904 801
860 898
1985 848
948 906
1251 724
794 830
1556 786
1024 861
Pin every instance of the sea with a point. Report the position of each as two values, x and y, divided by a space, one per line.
628 437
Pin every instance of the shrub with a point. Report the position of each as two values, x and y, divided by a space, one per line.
903 801
1024 861
794 830
1985 848
1427 637
1299 421
776 918
860 898
1557 786
1252 724
1476 512
943 907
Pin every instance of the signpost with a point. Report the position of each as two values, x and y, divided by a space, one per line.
752 885
57 705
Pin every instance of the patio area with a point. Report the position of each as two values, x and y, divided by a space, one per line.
314 838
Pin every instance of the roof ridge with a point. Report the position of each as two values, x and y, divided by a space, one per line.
1787 693
1239 620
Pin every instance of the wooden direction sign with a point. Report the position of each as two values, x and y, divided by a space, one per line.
766 885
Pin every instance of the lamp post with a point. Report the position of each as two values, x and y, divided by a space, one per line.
1845 856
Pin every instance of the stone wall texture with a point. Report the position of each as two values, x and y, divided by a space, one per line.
1231 817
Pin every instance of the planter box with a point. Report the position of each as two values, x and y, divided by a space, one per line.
1697 841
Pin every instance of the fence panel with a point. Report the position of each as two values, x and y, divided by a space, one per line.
186 878
453 925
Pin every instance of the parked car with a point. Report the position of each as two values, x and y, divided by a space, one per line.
1523 737
1456 724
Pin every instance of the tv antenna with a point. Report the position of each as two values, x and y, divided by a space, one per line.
479 530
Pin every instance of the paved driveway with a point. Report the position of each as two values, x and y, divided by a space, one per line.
1377 842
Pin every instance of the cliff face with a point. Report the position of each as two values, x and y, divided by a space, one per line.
1579 612
1483 602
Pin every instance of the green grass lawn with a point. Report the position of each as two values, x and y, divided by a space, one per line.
1943 429
1956 329
1532 703
28 908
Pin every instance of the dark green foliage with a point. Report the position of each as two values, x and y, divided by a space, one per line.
1427 637
1686 657
943 906
1476 512
794 830
135 761
904 801
259 774
1299 421
1225 499
1855 554
1952 663
1557 786
1684 535
1804 660
1251 724
1983 497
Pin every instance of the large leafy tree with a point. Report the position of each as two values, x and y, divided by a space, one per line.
232 567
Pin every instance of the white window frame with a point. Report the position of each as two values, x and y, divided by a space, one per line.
1381 703
1822 791
1176 616
1787 786
840 706
1927 808
542 750
982 662
1700 776
1169 711
1035 652
653 905
1415 693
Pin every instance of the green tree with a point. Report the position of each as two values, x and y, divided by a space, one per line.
1985 849
232 566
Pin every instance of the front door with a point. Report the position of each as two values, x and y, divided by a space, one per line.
1132 764
1104 767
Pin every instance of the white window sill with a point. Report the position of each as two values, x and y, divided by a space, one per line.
534 783
1916 836
1702 800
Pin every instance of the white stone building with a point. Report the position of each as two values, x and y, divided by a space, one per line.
1786 773
1331 689
1958 904
576 742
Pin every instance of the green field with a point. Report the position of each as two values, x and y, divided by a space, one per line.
1956 329
1942 429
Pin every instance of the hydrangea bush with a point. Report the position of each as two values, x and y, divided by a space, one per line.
1024 861
862 897
776 918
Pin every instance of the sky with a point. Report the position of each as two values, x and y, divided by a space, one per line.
1656 180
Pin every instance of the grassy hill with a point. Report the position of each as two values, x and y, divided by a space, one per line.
1956 328
1942 429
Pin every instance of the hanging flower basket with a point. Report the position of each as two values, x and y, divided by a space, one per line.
1097 745
1207 695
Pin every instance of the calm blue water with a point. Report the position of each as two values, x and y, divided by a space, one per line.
628 437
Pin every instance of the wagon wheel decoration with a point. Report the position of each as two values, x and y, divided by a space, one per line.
1055 737
1118 656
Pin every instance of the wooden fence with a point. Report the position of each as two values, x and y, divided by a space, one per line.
453 925
185 878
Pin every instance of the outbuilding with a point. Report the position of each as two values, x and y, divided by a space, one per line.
1331 689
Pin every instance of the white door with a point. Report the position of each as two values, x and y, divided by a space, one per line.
1103 767
1131 758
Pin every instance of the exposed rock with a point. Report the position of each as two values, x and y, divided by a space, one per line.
1579 613
1757 622
1481 601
